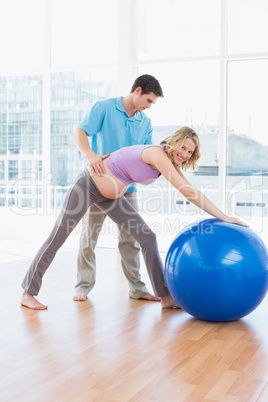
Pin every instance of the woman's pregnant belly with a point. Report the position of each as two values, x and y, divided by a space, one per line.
109 185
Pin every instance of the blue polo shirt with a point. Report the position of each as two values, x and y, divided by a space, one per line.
110 128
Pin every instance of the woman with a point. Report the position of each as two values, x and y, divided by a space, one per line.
141 164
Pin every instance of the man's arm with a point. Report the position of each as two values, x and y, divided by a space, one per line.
95 161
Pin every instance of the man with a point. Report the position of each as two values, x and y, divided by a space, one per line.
113 124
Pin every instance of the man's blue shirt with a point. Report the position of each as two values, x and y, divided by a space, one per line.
110 128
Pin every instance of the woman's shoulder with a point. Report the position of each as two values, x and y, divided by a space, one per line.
153 153
155 147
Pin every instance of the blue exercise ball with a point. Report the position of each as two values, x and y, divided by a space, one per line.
217 271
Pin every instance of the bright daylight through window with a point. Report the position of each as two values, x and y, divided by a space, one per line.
214 77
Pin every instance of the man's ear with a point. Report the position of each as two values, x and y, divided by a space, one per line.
138 91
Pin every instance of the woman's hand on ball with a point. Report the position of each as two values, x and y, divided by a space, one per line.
236 221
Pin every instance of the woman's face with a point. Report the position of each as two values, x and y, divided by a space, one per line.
184 153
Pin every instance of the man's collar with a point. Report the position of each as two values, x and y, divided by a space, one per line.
119 106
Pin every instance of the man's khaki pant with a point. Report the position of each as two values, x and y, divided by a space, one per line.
129 250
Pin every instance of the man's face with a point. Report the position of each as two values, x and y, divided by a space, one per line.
143 101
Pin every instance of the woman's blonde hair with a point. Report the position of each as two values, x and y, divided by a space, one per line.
176 140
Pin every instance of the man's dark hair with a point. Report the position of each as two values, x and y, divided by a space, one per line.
148 84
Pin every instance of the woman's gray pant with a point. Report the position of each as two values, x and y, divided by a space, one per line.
81 195
128 247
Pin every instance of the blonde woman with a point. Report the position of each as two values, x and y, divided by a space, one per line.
135 164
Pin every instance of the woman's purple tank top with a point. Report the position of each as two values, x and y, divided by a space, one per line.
128 165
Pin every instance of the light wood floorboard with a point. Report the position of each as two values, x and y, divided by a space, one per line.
112 348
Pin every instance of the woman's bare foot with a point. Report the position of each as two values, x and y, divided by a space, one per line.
30 301
80 296
169 302
150 297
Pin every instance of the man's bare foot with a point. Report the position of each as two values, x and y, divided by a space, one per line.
150 297
80 296
30 301
169 302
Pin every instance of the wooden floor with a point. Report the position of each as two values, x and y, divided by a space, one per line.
112 348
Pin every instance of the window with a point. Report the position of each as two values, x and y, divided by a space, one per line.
82 90
247 26
63 62
173 29
247 161
191 98
87 35
22 27
12 170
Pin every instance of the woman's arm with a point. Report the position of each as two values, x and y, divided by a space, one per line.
156 157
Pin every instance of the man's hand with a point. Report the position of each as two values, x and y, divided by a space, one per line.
96 164
95 161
